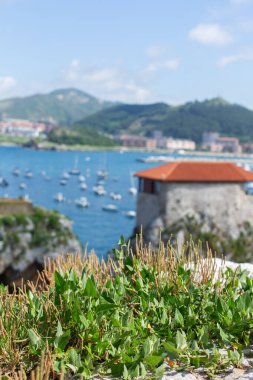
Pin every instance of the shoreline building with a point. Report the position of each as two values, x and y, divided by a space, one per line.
156 141
24 128
215 143
136 141
210 192
178 144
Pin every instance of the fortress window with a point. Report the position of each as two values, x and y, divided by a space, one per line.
149 186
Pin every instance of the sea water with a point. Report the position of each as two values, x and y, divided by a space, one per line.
97 229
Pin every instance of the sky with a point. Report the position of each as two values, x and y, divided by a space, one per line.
134 51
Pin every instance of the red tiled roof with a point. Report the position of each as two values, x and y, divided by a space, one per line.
197 172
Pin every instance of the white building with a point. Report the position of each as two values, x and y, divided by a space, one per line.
178 144
215 143
22 128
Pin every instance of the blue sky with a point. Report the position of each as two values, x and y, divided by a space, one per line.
133 51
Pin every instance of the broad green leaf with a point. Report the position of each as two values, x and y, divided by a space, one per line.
223 335
153 360
181 340
143 371
59 282
74 358
179 320
105 307
125 374
59 331
34 337
62 340
171 349
90 288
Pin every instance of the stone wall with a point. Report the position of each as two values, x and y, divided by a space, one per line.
222 206
15 206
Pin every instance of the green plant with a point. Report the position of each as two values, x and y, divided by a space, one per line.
126 317
8 221
11 239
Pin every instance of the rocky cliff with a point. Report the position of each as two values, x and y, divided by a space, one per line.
26 240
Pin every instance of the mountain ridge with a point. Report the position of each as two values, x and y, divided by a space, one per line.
80 111
61 106
188 121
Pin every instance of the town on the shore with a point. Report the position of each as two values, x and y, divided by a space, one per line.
211 141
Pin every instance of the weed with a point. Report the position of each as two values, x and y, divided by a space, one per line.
125 317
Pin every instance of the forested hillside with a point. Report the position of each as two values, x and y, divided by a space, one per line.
186 121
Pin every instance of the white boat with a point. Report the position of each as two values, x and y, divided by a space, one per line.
131 214
87 158
82 202
75 170
116 196
110 208
81 178
65 175
59 197
99 190
22 186
16 172
63 182
29 174
83 186
103 174
132 190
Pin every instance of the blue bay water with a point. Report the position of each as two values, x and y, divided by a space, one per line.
96 228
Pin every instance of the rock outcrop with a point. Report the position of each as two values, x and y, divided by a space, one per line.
26 240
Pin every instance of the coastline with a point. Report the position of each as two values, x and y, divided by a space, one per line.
194 154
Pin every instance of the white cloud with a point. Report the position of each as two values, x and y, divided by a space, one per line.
7 83
171 64
155 51
109 83
210 34
224 61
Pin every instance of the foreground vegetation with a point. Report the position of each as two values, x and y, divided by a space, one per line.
127 317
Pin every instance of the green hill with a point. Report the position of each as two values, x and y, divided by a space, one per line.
124 118
62 107
186 121
83 112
